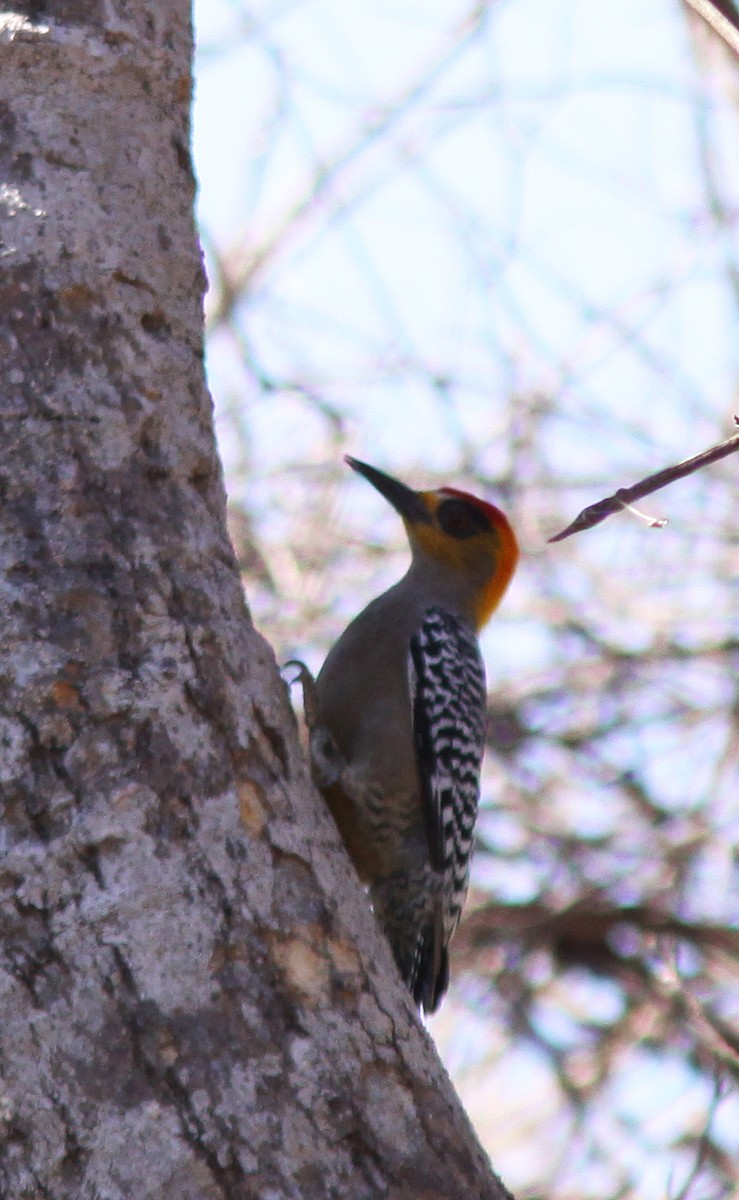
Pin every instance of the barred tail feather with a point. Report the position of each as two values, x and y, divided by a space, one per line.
431 976
412 919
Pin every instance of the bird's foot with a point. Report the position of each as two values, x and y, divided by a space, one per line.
327 764
308 684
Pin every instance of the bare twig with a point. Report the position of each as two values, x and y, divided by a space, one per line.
721 18
624 497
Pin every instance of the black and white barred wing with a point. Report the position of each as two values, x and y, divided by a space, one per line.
447 686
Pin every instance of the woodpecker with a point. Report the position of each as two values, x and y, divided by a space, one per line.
397 723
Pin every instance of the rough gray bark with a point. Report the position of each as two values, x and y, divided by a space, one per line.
194 1000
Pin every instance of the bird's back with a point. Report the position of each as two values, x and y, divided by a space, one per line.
364 702
392 695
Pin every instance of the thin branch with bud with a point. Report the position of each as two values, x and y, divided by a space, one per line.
625 497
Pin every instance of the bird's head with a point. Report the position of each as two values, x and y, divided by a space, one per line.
460 537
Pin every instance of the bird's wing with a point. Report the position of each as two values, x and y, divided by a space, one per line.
447 688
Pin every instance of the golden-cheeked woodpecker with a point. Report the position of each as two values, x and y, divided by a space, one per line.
397 723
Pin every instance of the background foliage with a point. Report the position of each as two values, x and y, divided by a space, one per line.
495 244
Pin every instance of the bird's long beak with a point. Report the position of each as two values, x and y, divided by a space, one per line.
404 500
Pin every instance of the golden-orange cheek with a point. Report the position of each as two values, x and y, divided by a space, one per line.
505 560
437 544
487 561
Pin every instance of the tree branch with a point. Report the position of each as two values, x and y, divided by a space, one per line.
721 17
585 923
625 497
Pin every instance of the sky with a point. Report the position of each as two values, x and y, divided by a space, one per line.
579 160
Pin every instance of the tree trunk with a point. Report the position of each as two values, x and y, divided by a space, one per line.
194 1000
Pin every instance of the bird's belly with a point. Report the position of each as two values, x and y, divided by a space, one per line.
379 826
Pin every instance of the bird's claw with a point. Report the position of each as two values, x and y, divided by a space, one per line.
308 684
327 765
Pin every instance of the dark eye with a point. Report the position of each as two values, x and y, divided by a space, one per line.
459 519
